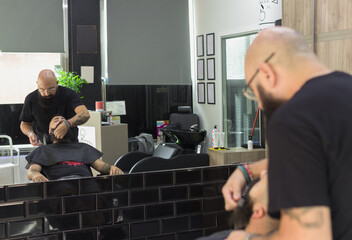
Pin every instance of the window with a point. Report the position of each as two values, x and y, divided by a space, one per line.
19 73
32 42
239 112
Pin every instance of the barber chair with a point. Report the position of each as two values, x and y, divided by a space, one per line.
184 118
12 161
127 161
166 156
184 129
185 135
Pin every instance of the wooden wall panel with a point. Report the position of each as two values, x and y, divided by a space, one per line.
333 15
336 54
298 14
333 28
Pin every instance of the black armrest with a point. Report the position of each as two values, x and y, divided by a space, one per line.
126 162
180 161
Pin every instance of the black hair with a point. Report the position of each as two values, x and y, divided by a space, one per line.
242 214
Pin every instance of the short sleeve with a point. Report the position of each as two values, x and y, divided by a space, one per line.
74 99
38 156
91 154
297 167
26 114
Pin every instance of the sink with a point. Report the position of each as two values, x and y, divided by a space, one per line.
186 139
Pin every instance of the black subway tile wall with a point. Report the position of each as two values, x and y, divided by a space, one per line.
32 191
173 205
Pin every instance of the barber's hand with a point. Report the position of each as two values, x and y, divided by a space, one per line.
39 178
61 130
237 235
115 170
33 139
232 190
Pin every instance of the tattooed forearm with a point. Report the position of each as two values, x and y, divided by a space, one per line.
308 217
106 168
81 118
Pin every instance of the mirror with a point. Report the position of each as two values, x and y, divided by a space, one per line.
222 19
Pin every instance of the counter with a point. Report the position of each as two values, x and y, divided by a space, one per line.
235 155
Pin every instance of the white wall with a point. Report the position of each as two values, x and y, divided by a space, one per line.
222 17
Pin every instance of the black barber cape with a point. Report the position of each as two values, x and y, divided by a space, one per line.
64 159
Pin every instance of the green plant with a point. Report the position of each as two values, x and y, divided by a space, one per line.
70 80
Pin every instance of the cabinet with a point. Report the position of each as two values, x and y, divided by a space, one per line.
111 140
235 155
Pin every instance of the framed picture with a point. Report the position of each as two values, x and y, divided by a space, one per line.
211 93
210 44
201 92
200 69
200 46
211 68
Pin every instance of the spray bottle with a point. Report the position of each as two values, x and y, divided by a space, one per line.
215 137
250 143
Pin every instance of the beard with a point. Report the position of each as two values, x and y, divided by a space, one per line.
270 104
48 101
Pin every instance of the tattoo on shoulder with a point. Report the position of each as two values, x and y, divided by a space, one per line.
308 217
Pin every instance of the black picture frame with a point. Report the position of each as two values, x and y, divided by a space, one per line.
211 93
86 39
200 45
201 92
200 69
210 39
211 68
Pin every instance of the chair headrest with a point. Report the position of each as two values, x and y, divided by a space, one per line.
165 151
184 109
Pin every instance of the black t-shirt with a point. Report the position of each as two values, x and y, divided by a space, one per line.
40 117
310 158
64 159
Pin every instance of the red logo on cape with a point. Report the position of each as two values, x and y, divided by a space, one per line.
72 163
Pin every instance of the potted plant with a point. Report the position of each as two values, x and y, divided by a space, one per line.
70 80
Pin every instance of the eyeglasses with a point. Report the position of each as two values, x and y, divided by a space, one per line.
49 90
247 92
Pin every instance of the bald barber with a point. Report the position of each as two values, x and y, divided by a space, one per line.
50 99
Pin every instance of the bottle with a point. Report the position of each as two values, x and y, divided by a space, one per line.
250 143
160 138
215 137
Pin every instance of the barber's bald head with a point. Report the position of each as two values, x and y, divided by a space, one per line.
275 80
47 83
288 45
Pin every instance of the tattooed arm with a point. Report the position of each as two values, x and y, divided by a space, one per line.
297 223
82 116
106 168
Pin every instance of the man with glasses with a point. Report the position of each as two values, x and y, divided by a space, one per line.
42 104
309 137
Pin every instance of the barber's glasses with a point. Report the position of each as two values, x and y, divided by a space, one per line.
247 92
49 90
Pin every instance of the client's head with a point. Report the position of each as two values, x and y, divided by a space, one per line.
54 123
254 210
